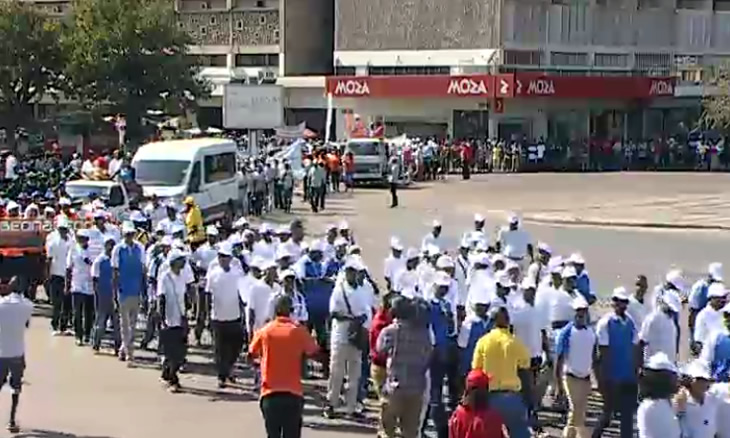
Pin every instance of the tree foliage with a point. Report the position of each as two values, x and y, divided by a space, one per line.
31 61
130 55
716 103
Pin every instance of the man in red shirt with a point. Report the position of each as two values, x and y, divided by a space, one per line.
474 418
281 344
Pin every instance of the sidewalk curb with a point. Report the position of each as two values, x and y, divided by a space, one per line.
622 224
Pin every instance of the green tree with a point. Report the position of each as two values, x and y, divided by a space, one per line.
31 62
129 56
716 103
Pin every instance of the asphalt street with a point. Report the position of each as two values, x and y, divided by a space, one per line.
70 393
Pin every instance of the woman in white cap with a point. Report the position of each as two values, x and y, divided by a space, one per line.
656 417
709 319
696 409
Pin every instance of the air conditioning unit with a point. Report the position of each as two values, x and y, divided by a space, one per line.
266 76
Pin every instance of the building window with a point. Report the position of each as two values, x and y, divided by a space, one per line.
722 5
204 5
257 60
691 4
568 59
260 4
213 21
611 60
654 64
345 71
408 70
523 57
210 60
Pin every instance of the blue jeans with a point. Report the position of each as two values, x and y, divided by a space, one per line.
511 406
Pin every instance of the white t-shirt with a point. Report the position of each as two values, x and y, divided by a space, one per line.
657 419
359 305
557 304
57 250
391 266
406 280
638 311
10 164
708 321
15 313
173 287
204 256
579 359
514 242
721 392
79 260
528 325
258 301
299 307
168 225
659 333
225 296
700 419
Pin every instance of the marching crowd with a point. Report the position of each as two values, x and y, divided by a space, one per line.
502 320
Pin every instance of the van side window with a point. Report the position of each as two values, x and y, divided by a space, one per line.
194 184
116 196
219 167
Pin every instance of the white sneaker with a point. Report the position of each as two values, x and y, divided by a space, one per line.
56 333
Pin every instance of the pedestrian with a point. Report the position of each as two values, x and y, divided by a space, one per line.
128 261
201 259
475 417
348 163
102 275
658 334
58 244
378 361
317 288
575 348
656 417
158 256
78 284
281 344
696 408
222 285
619 360
407 347
287 279
317 186
709 319
171 290
719 358
698 294
351 316
193 223
639 307
393 178
394 263
502 355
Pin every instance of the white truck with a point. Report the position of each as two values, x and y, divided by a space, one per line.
371 160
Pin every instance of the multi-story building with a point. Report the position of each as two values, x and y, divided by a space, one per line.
252 42
564 69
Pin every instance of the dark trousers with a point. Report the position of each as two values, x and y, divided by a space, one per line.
316 198
174 347
335 176
106 312
83 315
440 370
62 307
228 342
151 329
282 413
320 325
393 194
618 398
202 314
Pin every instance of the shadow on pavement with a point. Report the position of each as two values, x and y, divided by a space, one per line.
362 429
39 433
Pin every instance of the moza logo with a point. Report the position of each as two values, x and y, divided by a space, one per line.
661 88
541 87
467 86
352 88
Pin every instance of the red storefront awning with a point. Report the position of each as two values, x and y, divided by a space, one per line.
523 85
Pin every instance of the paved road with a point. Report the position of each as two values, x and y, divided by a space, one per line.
71 393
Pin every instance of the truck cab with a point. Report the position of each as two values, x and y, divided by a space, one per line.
371 160
114 194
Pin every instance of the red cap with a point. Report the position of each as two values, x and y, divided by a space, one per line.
477 379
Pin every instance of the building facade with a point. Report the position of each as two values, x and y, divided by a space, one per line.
563 69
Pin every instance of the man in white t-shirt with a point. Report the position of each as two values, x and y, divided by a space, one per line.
58 245
15 314
10 164
658 333
710 318
514 242
79 284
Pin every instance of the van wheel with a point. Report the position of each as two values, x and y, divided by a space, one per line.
230 214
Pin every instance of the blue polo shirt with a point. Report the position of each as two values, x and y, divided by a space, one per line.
621 337
317 292
719 356
698 296
583 285
102 271
129 259
472 329
438 316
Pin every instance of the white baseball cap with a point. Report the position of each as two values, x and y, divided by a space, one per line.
544 247
675 278
316 246
579 303
478 217
715 271
716 290
443 279
620 293
128 228
435 223
568 272
354 263
211 230
576 259
395 244
344 225
697 369
445 262
660 362
175 254
225 249
286 273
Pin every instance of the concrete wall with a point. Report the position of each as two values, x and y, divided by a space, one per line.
416 24
308 27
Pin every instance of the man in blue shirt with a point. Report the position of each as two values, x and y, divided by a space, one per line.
444 362
619 359
128 261
698 294
102 275
583 281
317 289
716 351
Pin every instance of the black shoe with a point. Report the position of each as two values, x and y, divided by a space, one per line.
13 427
221 383
329 412
232 379
356 416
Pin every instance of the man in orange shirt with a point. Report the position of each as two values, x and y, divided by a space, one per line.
281 344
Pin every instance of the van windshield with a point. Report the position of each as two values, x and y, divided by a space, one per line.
364 148
165 173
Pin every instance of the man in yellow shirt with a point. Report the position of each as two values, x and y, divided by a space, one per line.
505 358
194 223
